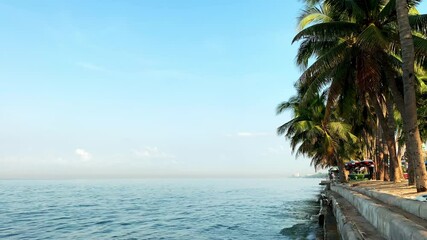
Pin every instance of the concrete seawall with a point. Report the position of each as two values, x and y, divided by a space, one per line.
411 206
350 223
389 224
346 227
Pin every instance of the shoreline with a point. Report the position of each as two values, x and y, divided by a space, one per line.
377 210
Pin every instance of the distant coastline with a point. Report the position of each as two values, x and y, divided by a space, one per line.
315 175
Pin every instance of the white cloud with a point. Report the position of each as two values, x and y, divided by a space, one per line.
152 153
83 154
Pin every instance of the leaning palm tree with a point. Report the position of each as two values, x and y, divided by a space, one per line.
413 143
311 136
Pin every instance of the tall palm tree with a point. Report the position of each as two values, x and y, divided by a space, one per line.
413 143
352 41
348 43
388 125
395 84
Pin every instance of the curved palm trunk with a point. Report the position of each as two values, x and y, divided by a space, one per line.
388 134
413 142
342 172
380 167
368 146
400 104
391 128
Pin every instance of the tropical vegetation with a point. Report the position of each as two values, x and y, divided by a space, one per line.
363 69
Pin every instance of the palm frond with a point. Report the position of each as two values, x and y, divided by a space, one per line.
325 63
330 31
292 103
388 12
350 8
311 16
333 93
312 2
413 3
422 86
420 46
371 38
419 23
311 47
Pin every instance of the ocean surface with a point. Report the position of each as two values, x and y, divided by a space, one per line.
159 209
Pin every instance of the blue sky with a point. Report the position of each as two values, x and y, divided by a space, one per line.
146 88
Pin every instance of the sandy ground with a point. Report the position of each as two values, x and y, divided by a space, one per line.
398 189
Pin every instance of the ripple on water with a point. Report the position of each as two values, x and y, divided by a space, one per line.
149 209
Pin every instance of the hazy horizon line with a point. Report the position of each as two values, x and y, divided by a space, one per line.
118 177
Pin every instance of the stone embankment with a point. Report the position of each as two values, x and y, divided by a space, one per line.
378 210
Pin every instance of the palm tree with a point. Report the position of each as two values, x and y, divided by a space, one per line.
422 107
349 51
323 142
388 124
413 139
396 86
353 42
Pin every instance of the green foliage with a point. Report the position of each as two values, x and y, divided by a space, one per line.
353 47
357 177
422 108
310 135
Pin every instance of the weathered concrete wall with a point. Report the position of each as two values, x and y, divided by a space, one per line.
346 228
391 225
414 207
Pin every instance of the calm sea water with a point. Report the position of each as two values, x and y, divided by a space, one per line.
159 209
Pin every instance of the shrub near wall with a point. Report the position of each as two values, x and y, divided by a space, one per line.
356 176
